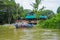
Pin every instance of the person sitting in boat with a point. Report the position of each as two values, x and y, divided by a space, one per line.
18 24
24 23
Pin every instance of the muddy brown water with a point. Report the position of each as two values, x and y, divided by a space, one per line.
29 34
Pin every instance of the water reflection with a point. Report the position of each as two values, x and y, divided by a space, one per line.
47 35
29 34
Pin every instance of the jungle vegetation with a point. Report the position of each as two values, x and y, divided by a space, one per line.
10 11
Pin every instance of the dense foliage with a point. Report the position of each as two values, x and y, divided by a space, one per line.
51 23
7 8
48 13
10 11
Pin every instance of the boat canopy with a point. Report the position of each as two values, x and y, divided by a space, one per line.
43 17
30 15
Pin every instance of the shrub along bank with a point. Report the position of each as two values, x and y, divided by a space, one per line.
53 23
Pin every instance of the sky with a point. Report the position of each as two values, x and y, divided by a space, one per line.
48 4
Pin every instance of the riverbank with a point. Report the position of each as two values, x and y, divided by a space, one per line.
8 26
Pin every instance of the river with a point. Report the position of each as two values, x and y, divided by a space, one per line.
29 34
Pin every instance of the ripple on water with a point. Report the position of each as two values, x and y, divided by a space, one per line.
29 34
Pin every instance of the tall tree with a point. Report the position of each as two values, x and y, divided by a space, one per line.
36 7
36 4
8 6
58 10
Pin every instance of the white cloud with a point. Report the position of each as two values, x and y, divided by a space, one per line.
49 4
52 4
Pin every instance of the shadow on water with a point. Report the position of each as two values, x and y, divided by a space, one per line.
29 34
